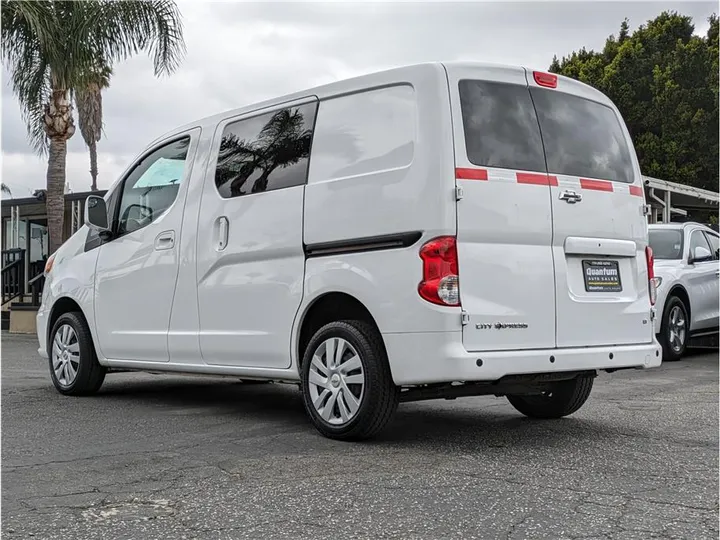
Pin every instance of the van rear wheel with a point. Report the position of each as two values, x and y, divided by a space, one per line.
74 367
346 382
563 399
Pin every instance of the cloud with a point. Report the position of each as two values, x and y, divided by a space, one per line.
240 53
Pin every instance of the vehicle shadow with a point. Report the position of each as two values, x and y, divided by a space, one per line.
491 424
468 424
209 396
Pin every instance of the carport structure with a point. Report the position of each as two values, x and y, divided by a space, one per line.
668 198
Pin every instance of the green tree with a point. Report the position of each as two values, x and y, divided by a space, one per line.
664 81
50 46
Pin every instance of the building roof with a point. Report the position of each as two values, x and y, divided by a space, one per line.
685 196
24 201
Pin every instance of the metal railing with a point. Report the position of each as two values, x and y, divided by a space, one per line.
36 285
13 274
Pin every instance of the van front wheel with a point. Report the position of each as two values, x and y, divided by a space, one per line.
563 399
346 383
74 367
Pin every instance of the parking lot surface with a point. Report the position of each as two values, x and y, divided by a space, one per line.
167 456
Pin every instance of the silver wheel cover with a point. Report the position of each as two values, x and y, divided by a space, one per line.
65 355
336 381
676 329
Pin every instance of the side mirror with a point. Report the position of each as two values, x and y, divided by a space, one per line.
700 254
96 214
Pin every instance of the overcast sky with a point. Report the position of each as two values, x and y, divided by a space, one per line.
240 53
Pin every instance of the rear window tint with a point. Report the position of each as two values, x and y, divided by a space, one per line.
666 243
582 138
501 129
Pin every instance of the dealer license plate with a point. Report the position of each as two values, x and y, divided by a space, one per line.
602 276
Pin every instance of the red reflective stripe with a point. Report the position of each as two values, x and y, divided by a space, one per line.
471 174
536 179
636 190
598 185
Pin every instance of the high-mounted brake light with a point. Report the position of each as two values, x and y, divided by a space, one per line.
545 79
652 282
440 284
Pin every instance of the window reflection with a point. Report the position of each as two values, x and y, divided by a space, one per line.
266 152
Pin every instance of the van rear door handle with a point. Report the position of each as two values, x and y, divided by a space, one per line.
570 196
165 240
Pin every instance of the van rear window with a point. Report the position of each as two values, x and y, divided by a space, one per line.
582 137
501 129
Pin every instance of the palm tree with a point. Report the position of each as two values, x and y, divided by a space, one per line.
4 188
49 47
88 97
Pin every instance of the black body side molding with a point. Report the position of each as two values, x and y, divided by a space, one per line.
358 245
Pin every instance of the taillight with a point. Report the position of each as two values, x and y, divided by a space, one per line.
440 284
547 80
652 284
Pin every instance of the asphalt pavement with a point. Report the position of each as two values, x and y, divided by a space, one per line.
180 457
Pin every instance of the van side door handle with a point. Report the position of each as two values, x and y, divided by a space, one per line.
165 240
221 226
570 196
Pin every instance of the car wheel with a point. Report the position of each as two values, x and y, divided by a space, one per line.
346 382
563 399
674 330
74 367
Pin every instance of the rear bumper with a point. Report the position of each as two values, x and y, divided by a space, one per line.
435 357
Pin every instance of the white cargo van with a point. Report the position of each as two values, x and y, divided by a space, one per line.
433 231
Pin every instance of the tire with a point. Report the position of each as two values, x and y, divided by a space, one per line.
375 400
566 398
672 351
81 357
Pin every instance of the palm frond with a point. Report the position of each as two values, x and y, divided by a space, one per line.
60 45
25 27
123 28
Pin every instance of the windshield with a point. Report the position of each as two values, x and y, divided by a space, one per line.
666 243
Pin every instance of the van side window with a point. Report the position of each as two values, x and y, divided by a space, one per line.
582 137
266 152
152 186
501 129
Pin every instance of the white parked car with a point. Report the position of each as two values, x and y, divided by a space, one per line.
433 231
687 270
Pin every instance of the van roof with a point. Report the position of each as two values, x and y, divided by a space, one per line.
353 84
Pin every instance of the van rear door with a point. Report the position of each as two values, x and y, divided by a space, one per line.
504 221
599 229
